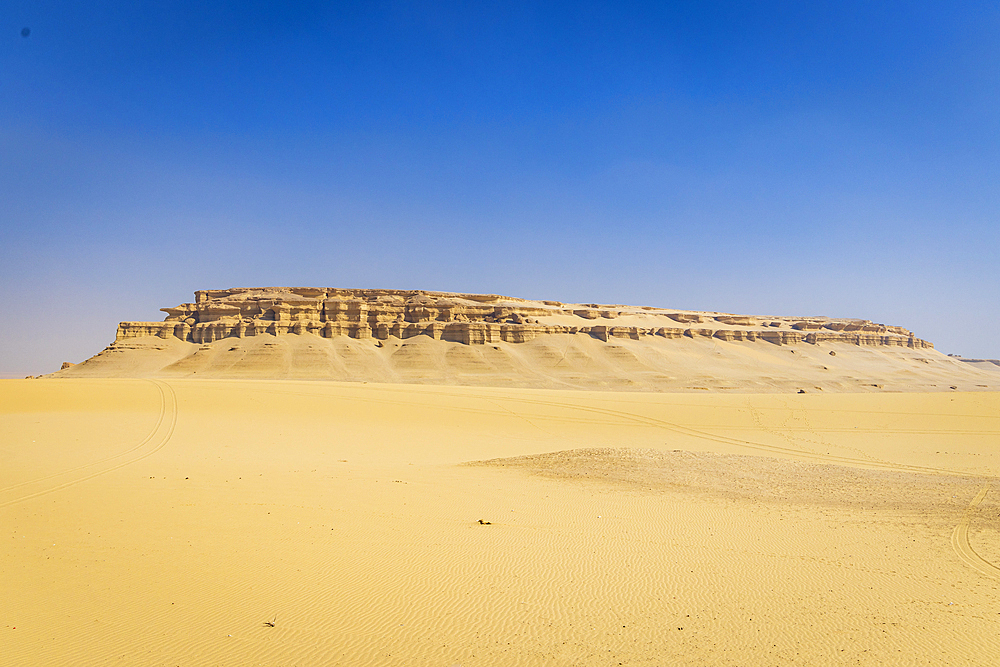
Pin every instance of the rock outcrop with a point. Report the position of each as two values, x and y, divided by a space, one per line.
478 319
422 337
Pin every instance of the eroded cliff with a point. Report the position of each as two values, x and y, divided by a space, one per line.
410 336
477 319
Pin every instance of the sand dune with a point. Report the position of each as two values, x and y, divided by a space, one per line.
554 362
154 522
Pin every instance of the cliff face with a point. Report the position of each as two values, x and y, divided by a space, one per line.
478 319
420 337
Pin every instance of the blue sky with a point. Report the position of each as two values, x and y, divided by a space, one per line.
784 158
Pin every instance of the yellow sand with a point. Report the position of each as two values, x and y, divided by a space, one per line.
164 522
652 364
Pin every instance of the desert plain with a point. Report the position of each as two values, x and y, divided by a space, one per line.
182 520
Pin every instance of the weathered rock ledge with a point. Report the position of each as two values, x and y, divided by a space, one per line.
476 319
422 337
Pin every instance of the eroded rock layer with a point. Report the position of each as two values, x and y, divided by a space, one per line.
420 337
477 319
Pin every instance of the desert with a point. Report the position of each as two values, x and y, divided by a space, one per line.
475 334
267 478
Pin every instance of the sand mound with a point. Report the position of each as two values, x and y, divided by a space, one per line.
487 340
758 479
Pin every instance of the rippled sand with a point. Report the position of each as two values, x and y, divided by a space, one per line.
167 522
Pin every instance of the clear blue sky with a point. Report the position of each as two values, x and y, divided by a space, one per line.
795 158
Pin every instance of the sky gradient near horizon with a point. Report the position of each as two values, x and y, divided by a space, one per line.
783 158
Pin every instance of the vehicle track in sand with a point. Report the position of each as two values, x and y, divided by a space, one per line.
960 540
797 452
960 536
152 443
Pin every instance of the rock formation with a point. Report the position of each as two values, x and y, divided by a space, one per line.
477 319
421 337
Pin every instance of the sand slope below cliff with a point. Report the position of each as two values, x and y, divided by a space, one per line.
164 522
555 361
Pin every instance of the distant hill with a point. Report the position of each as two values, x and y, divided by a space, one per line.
414 336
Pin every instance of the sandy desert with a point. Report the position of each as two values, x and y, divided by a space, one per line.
747 507
643 334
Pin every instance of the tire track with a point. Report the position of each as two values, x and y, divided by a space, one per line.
630 417
960 536
159 420
488 399
152 443
960 540
786 432
749 444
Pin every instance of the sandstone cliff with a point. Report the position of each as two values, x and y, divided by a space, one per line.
413 336
475 319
